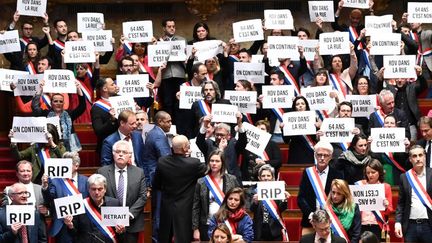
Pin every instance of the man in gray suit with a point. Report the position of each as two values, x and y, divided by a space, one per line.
126 183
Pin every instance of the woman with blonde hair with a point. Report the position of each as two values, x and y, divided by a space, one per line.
221 234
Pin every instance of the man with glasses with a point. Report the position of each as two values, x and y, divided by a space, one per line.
321 224
316 179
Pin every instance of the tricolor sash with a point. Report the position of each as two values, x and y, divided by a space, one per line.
379 216
127 47
317 185
25 41
279 113
339 84
290 80
309 142
322 114
59 45
388 156
44 155
69 187
104 105
234 58
141 68
419 189
204 107
272 208
248 118
336 225
89 72
231 227
353 37
214 188
46 100
96 218
380 117
31 68
87 93
265 156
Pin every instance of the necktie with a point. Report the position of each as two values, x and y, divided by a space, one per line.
428 153
120 187
322 240
24 236
127 138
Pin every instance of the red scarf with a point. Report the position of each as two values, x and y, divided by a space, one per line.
235 217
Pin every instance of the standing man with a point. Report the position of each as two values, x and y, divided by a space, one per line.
58 44
176 176
425 128
141 119
414 210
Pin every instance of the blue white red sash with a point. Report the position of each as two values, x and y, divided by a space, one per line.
248 118
87 93
69 187
234 58
419 56
31 68
186 84
89 72
419 189
322 114
344 146
336 225
380 117
46 100
317 185
290 80
231 227
279 113
272 208
141 67
388 156
104 105
96 218
353 37
127 47
379 216
204 107
44 155
59 45
309 141
339 84
25 41
214 188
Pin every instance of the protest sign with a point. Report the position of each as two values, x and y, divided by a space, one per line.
59 81
364 4
113 216
277 96
299 123
388 139
101 39
188 95
309 48
7 76
195 151
31 7
158 54
400 66
121 103
334 43
271 190
29 130
244 100
378 24
278 19
363 105
224 113
253 72
385 44
207 49
419 12
337 130
321 9
248 30
369 197
138 31
319 97
258 58
24 214
283 47
79 52
71 205
177 50
89 22
9 42
58 168
27 84
133 85
257 139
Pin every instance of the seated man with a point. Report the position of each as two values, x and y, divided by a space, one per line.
321 224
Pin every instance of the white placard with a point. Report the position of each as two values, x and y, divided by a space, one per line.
319 97
90 22
363 105
309 48
31 7
364 4
258 58
257 139
378 24
112 216
388 139
27 84
419 12
133 85
253 72
9 42
177 50
337 130
334 43
79 52
272 190
195 151
244 100
188 95
7 76
248 30
55 120
224 113
207 49
299 123
58 168
277 96
59 81
385 44
121 103
369 197
283 47
321 9
146 130
101 39
29 129
400 66
158 54
278 19
24 214
71 205
138 31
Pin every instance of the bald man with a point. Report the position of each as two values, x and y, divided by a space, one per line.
176 176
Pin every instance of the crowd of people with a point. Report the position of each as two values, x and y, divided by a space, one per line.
209 200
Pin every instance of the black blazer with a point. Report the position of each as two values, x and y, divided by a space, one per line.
310 238
274 225
103 125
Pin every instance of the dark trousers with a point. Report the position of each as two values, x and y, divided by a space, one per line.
203 229
167 94
374 228
418 232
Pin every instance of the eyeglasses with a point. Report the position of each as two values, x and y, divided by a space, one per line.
26 194
121 152
322 155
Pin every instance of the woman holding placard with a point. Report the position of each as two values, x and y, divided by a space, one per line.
201 32
209 194
28 62
321 78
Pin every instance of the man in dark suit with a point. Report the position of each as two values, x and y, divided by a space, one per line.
126 132
321 224
126 183
425 127
413 217
307 200
18 232
176 176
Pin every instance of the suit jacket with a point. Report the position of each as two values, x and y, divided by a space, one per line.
36 233
404 203
156 145
310 238
306 199
198 113
135 195
249 166
137 144
426 43
401 118
103 125
274 224
422 142
37 191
